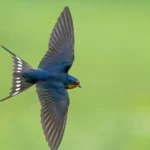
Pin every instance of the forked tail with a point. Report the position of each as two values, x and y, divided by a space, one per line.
18 82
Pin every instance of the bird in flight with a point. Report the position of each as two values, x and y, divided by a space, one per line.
51 79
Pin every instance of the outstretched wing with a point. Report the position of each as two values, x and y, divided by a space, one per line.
61 43
54 107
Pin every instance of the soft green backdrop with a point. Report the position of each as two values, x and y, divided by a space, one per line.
112 46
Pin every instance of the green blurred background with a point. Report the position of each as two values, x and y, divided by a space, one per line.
112 110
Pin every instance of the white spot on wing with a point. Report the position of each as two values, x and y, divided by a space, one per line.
19 68
19 62
19 65
18 58
18 78
18 71
18 81
17 85
15 93
17 89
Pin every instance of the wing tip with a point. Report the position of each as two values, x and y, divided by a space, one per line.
66 8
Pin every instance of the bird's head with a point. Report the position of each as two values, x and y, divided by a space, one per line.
72 83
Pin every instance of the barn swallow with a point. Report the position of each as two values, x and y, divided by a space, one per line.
51 79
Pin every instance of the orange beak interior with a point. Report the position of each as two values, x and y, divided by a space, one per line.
71 86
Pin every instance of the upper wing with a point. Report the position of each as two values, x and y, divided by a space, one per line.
53 112
61 43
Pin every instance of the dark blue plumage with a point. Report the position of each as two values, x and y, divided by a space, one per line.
51 79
